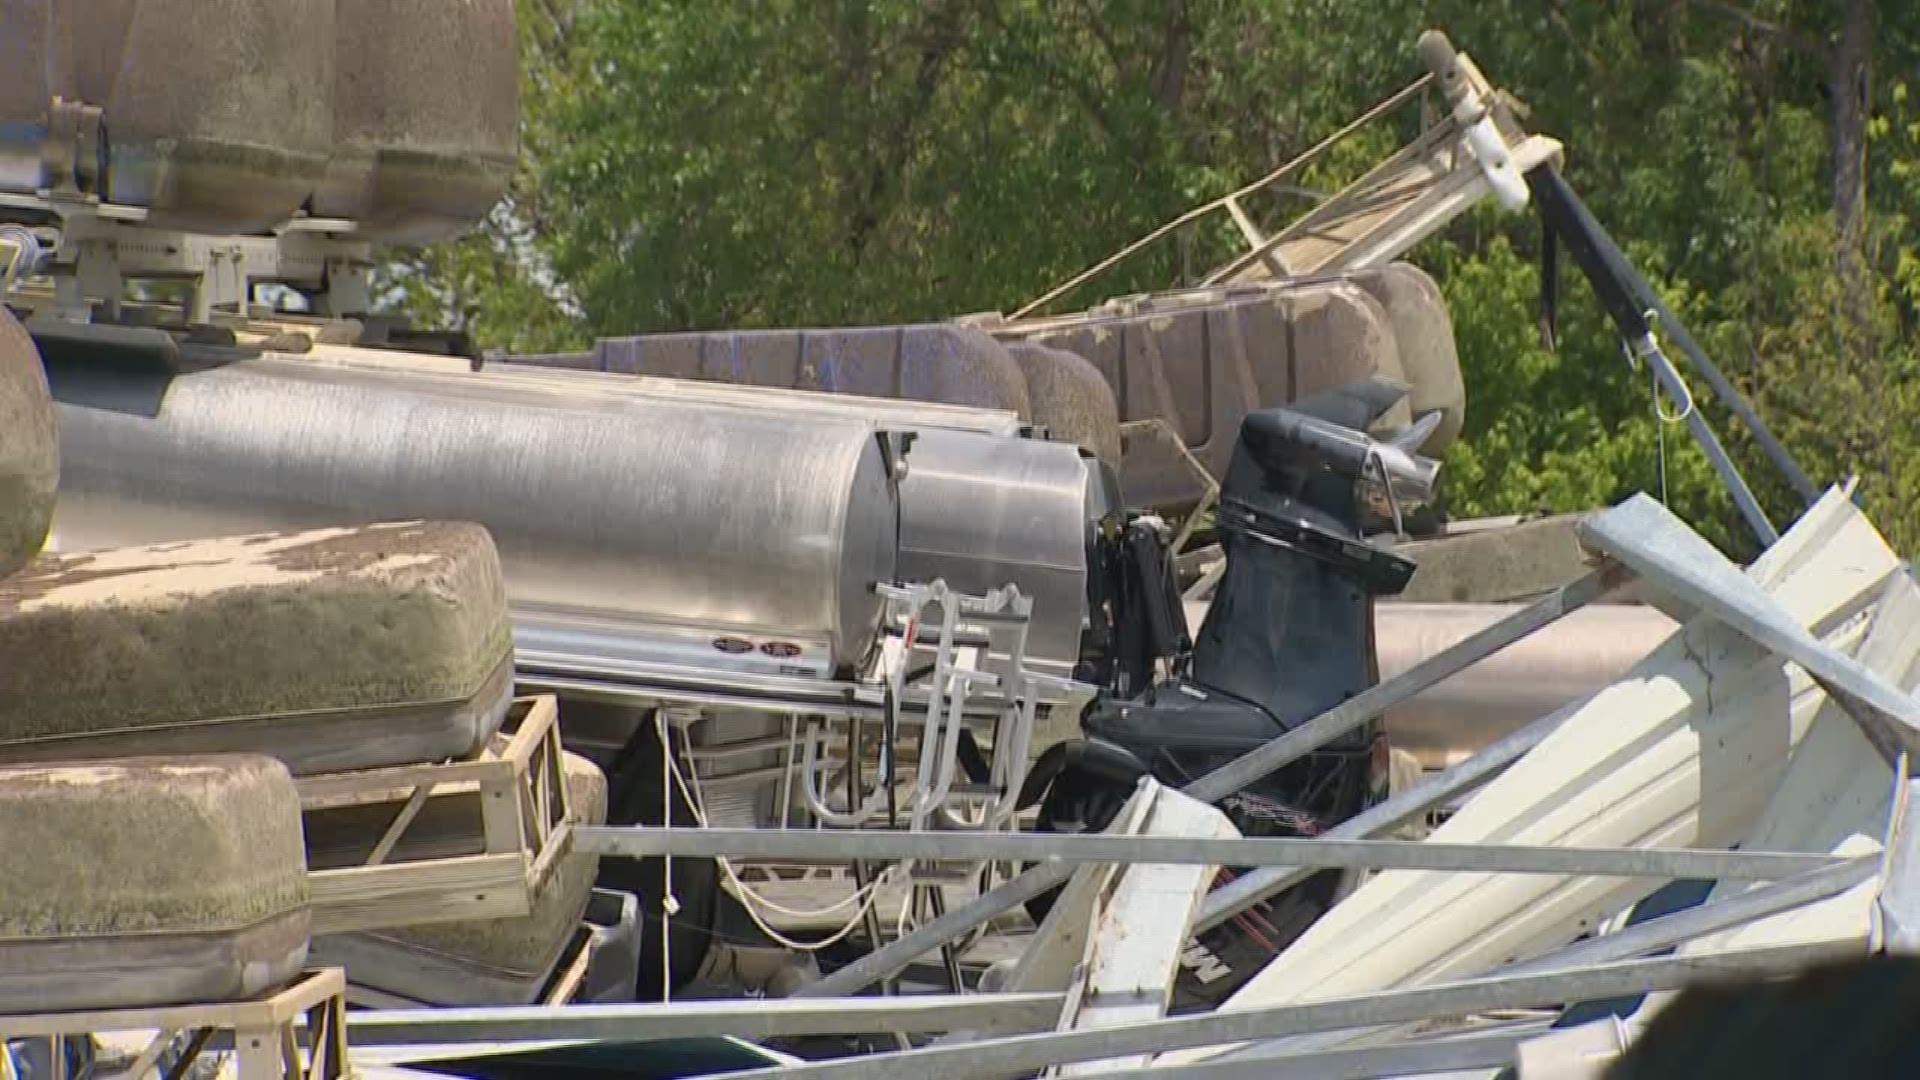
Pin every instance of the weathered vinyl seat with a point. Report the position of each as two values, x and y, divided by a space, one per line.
209 105
426 116
29 448
149 881
331 650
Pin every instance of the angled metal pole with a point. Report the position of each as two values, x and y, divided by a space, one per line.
1371 702
1646 536
1022 1054
1638 940
1254 886
1213 787
843 845
759 1018
1712 917
1482 1051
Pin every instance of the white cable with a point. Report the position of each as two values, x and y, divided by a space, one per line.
751 900
906 905
786 777
1686 401
698 797
1686 392
800 946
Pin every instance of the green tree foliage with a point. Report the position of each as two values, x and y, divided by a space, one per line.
717 163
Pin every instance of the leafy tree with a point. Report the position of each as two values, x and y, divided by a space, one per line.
713 163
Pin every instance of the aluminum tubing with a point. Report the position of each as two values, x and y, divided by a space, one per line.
1561 663
638 510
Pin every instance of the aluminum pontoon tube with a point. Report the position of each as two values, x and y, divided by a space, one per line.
1580 655
1571 659
893 412
979 512
643 511
979 506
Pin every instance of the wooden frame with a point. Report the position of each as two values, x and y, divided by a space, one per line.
569 976
512 797
264 1038
562 985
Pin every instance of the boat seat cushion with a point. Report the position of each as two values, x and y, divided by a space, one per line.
333 649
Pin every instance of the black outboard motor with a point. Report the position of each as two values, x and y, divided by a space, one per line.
1288 636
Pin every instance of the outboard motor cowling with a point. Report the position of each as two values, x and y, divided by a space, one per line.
1289 635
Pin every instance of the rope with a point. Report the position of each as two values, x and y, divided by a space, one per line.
1661 418
751 900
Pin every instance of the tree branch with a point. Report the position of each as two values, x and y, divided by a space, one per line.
1849 83
1098 26
1012 43
1557 15
1810 44
942 39
1176 49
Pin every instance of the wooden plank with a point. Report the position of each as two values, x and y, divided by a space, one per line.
150 1056
503 825
256 1054
540 782
517 852
504 821
399 826
558 844
408 894
540 795
310 989
541 716
334 790
538 717
571 974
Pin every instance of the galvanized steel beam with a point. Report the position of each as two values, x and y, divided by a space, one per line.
1708 918
1483 1051
1022 1054
1898 904
1250 888
1645 536
843 845
1638 940
757 1018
